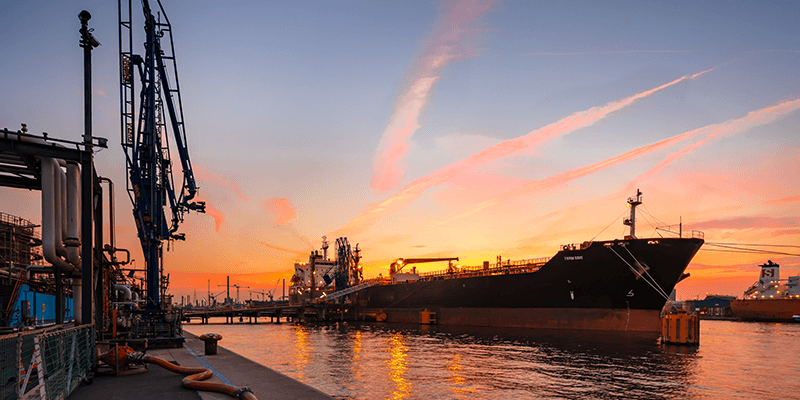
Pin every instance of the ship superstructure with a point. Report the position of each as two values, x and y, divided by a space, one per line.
770 298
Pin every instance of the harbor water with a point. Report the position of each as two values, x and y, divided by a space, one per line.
386 361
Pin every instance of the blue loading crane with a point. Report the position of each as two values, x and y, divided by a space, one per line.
145 141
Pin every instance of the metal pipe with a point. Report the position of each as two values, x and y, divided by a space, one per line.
77 300
72 241
125 289
88 42
59 196
111 238
49 226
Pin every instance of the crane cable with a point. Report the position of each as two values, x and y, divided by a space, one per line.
636 272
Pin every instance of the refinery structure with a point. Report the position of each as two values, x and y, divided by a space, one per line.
64 283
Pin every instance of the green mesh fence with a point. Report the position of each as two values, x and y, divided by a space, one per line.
45 363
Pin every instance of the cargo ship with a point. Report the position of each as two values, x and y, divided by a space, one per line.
769 298
619 285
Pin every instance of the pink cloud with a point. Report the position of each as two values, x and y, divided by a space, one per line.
785 200
732 126
280 209
405 196
202 173
747 223
443 47
786 232
214 212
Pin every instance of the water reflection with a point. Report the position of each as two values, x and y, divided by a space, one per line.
398 364
356 367
458 381
379 361
302 350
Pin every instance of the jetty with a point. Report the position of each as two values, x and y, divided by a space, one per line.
228 368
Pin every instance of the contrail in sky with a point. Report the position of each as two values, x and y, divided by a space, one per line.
409 193
595 53
269 246
751 120
443 48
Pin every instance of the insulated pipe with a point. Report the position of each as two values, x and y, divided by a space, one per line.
49 226
59 196
77 300
72 241
125 289
195 376
111 239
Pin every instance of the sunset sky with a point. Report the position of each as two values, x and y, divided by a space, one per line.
426 129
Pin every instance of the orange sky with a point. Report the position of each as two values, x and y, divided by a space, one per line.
472 129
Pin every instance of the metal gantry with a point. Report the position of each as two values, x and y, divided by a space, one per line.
145 139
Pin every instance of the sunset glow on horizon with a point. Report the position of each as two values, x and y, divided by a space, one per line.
471 129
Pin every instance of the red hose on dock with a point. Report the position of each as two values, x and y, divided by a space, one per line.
195 376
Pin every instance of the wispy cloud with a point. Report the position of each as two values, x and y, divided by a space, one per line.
214 212
269 246
581 119
280 209
752 119
785 200
594 53
446 45
202 173
747 223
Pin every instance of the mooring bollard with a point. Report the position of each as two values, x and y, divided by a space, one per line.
211 340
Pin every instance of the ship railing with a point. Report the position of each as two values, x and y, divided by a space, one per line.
698 234
506 267
576 246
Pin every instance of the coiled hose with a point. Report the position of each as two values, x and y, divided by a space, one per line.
195 376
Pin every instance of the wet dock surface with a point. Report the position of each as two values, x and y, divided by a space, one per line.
157 382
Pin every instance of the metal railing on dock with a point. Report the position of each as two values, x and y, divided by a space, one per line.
45 363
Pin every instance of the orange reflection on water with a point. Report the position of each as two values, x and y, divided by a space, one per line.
454 366
356 367
398 364
302 349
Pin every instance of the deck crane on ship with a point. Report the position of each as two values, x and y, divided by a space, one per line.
145 141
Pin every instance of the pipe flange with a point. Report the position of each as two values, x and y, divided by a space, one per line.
119 356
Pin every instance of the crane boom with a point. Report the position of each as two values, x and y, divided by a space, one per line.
145 140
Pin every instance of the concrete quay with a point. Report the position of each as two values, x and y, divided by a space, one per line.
158 382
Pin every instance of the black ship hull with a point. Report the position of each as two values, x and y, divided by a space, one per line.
614 285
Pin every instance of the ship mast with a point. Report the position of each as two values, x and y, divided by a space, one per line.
632 203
